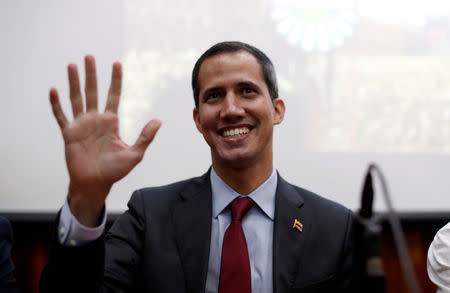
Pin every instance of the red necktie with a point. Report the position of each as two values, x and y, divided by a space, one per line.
235 274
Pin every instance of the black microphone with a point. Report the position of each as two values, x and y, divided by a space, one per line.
368 264
367 197
369 241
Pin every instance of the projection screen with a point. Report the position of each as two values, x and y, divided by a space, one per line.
363 81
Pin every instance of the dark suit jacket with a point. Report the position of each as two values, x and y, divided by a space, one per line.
161 244
7 280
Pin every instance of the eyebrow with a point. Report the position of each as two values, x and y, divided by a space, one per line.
210 90
247 84
240 84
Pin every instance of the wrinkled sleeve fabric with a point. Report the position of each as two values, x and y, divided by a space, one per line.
73 233
438 262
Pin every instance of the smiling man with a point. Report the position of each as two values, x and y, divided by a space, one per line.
238 228
236 116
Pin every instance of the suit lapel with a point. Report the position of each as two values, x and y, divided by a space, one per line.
192 222
288 241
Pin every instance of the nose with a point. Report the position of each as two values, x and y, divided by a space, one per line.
232 107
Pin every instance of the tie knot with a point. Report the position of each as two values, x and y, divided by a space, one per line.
239 207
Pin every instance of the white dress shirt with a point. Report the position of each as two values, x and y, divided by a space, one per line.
258 229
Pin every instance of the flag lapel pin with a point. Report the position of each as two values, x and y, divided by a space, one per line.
298 225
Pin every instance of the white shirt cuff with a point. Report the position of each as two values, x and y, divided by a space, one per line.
73 233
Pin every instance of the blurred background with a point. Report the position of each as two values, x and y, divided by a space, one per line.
363 81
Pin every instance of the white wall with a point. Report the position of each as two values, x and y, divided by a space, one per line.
379 94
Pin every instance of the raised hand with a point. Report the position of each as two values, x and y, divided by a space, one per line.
96 156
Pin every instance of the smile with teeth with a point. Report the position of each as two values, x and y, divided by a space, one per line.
235 132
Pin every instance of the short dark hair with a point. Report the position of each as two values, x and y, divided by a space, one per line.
230 47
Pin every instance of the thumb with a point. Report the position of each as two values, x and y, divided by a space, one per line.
146 137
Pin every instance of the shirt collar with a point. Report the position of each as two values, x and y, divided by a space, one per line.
263 196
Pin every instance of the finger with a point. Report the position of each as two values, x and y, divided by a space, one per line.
112 105
57 110
75 93
91 83
147 135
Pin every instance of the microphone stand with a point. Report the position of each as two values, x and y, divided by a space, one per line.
368 263
368 239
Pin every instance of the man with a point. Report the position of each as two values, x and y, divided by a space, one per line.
176 238
7 280
438 260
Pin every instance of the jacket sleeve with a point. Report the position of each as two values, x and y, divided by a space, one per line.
107 264
73 269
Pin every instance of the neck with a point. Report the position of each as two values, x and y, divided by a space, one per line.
244 180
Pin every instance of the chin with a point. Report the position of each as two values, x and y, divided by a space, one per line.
235 160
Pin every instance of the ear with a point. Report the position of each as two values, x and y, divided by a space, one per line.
196 117
279 109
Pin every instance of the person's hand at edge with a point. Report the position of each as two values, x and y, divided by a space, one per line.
96 156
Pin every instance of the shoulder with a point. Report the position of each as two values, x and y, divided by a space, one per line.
438 261
5 228
167 194
312 201
176 187
328 217
4 222
7 279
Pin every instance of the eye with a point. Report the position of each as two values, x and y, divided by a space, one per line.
211 96
248 91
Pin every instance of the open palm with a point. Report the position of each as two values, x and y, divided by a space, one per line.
96 156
